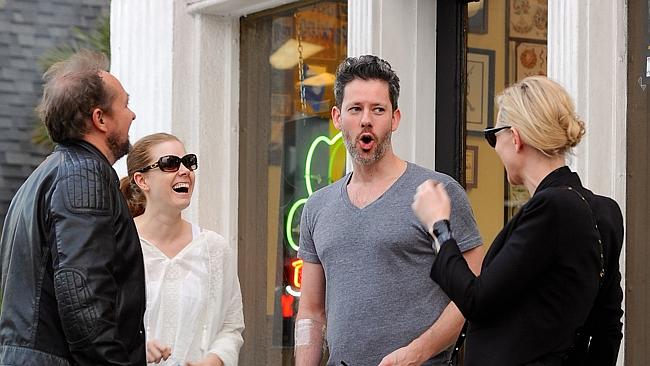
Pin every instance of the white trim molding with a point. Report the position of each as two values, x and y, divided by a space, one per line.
232 8
587 46
143 63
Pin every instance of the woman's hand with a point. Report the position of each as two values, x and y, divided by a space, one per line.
431 203
211 360
157 352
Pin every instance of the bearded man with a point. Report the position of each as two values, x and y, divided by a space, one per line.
365 277
72 283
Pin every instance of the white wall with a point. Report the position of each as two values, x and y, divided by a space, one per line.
404 34
181 70
141 58
587 44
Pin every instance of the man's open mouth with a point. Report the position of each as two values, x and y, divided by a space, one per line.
366 141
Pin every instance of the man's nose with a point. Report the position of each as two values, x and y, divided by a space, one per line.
366 118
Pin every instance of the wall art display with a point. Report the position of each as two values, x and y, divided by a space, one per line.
528 19
480 89
471 167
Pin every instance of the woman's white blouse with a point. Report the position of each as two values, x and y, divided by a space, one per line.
194 300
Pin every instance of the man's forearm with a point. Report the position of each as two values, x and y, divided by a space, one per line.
441 335
444 332
309 340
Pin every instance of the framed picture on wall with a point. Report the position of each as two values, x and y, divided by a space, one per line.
471 167
480 90
528 19
530 59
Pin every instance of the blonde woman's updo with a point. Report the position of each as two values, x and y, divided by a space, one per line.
138 158
543 113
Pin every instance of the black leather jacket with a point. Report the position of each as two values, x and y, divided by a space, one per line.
73 290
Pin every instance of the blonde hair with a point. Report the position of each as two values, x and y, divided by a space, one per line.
543 113
138 158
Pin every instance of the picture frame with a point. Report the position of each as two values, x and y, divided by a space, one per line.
471 167
527 59
527 20
479 110
477 17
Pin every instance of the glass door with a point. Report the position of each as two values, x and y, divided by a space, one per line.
289 149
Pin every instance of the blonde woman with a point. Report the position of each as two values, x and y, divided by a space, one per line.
549 290
194 309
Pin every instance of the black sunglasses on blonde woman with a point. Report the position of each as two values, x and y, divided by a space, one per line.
491 134
171 163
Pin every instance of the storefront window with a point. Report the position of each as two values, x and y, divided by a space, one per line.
291 55
507 41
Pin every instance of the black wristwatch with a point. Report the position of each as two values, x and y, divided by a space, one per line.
442 231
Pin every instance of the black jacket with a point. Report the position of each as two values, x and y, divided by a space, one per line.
540 280
72 270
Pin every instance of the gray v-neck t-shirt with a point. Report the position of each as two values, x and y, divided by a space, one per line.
377 261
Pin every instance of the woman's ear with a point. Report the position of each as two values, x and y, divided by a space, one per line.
140 180
516 139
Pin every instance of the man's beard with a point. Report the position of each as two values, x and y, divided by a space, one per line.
381 146
117 148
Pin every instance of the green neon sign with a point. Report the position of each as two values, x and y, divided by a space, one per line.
337 143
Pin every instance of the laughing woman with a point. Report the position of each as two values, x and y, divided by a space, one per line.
194 309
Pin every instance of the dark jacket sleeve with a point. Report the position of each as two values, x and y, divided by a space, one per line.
82 257
604 323
529 251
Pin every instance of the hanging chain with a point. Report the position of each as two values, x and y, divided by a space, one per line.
301 67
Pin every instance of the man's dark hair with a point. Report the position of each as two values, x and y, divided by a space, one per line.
366 67
73 88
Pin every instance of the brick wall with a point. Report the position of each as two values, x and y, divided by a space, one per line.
28 28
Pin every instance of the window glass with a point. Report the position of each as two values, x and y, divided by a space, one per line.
506 43
300 45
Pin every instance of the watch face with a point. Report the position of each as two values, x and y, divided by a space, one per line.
442 231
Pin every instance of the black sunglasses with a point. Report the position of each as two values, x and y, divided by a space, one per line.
491 134
171 163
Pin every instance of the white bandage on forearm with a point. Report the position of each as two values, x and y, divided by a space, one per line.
309 332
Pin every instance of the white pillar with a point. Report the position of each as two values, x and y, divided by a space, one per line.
141 58
182 72
588 55
404 34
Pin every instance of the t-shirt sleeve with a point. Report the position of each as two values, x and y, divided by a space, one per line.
463 223
307 249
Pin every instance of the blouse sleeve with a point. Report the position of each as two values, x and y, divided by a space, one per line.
227 337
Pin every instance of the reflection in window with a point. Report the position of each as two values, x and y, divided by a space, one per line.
306 152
